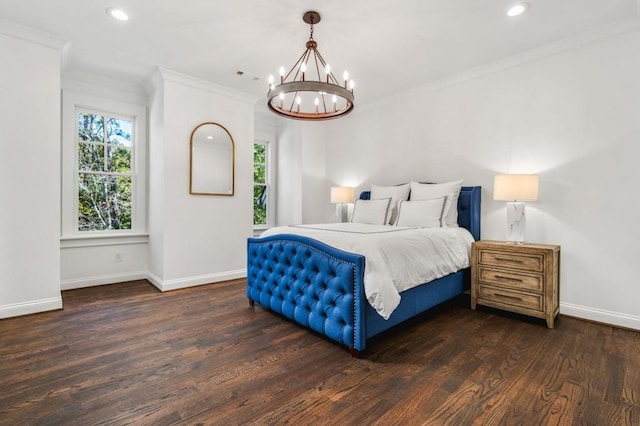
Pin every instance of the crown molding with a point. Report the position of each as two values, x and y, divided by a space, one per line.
596 35
169 75
31 35
104 86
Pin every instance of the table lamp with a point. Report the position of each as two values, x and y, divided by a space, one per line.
515 189
342 195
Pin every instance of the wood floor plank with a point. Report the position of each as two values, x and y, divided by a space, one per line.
129 354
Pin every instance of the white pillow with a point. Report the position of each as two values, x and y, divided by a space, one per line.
424 214
371 211
430 191
396 193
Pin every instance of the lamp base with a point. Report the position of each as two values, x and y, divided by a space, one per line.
342 212
515 222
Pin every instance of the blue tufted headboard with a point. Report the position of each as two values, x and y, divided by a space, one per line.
468 208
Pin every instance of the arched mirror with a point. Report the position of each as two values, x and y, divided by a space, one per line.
212 160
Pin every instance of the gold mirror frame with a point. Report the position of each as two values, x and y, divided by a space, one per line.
211 165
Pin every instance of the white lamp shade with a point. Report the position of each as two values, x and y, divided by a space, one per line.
342 195
515 188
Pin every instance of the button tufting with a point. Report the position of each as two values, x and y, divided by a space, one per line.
304 284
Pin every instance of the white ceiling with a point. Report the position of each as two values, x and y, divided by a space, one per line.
387 46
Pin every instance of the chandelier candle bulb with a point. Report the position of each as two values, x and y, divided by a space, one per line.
282 71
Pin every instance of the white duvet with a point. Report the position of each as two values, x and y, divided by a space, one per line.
397 258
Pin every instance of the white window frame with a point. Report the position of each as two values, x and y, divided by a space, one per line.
72 103
270 184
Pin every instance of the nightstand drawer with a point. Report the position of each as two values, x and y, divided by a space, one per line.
511 280
525 262
497 296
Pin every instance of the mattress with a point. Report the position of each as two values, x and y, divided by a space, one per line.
397 258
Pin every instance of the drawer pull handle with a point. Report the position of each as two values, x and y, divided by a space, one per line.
509 278
504 259
504 296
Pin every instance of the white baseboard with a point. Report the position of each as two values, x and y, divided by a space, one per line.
31 307
178 283
162 285
155 280
599 315
102 280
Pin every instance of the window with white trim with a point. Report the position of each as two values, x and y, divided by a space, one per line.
103 183
105 164
262 199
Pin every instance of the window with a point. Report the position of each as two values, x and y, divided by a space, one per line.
105 164
261 184
103 173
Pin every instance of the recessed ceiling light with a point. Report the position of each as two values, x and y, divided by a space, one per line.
117 13
518 9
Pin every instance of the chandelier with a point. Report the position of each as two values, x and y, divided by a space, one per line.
310 90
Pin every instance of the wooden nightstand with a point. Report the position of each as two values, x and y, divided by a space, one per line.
521 278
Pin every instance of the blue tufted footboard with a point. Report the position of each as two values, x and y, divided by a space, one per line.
318 286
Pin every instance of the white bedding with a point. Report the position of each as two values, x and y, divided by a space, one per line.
397 258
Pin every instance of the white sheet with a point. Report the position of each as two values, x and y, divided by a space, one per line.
397 258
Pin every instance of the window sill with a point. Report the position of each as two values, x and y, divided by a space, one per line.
258 230
102 240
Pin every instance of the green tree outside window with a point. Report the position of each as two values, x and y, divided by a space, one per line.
260 193
104 172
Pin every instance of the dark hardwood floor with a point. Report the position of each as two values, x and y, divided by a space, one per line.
128 354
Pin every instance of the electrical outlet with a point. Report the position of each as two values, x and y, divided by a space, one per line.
117 257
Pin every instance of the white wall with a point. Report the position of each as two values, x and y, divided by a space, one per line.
156 182
29 172
573 118
197 239
289 172
85 263
303 189
316 191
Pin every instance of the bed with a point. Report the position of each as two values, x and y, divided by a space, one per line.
322 288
